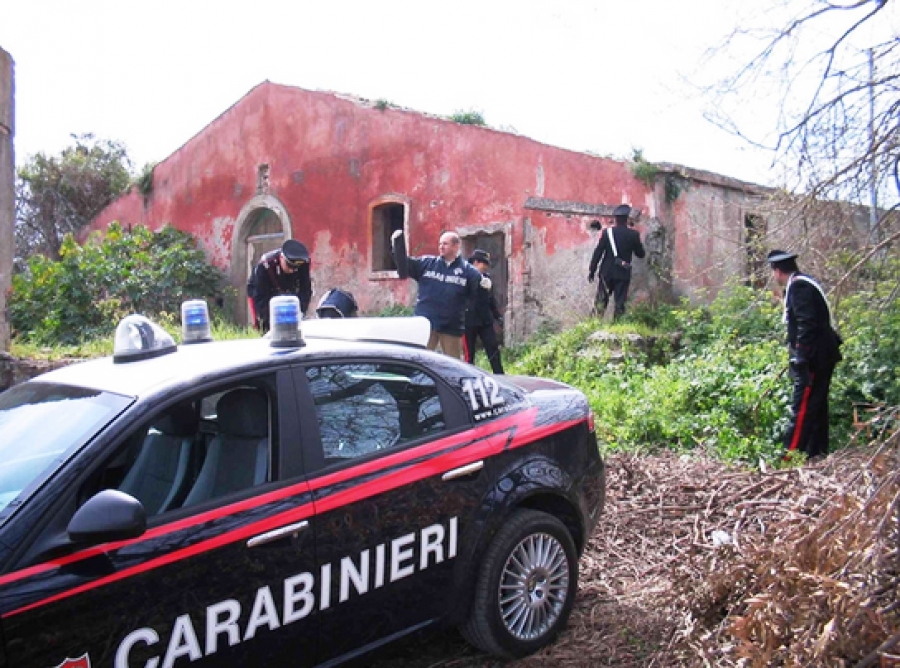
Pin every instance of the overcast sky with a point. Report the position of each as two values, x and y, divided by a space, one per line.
601 76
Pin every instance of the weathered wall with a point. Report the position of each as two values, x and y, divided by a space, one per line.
321 161
330 158
7 189
706 227
14 371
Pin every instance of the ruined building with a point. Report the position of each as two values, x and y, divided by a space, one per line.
341 174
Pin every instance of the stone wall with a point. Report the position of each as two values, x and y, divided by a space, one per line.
14 371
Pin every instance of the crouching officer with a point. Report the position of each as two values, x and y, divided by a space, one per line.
814 351
284 271
481 315
337 303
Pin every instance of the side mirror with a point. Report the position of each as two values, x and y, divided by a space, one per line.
108 515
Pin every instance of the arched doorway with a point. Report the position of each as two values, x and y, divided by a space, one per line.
262 225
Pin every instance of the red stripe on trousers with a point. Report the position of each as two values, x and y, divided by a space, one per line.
801 416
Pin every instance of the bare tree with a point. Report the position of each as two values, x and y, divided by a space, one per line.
829 73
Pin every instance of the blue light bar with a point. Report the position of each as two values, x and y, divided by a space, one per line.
285 316
195 322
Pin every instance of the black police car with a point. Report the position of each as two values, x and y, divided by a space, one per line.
286 502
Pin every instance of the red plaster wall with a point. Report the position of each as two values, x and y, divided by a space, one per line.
330 157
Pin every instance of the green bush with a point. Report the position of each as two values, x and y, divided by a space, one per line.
91 287
729 399
468 118
395 311
869 323
723 388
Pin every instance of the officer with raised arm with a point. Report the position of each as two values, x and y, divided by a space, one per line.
446 284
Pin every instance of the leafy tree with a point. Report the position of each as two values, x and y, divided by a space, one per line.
59 195
90 288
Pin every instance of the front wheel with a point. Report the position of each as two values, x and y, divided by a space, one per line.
525 586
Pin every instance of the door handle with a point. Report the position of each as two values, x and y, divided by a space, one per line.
463 471
277 534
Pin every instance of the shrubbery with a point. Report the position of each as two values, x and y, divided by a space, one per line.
724 388
91 287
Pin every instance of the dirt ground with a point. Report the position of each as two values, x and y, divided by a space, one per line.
699 564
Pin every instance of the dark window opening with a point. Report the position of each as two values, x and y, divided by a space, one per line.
755 260
386 219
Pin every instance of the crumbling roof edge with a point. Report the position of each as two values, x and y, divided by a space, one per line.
712 178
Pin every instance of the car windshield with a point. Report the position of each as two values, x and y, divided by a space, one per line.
41 424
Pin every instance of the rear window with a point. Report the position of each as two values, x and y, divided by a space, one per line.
41 424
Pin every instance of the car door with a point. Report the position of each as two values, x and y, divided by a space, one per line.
397 477
223 574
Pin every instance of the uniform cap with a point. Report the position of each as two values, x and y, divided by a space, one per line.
779 256
479 255
294 252
622 210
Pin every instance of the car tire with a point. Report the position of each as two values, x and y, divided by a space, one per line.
532 559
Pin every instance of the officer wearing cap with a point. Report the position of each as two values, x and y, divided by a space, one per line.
481 314
813 350
613 254
284 271
600 260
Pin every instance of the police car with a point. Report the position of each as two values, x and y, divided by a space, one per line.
295 501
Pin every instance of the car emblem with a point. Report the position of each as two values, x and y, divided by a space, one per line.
83 661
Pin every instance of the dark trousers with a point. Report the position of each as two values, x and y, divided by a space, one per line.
601 301
618 287
489 340
808 429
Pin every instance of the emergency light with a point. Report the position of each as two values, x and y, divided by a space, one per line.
284 316
195 322
138 339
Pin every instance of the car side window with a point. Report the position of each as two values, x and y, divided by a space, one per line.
205 447
367 408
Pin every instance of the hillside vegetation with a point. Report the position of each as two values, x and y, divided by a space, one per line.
713 378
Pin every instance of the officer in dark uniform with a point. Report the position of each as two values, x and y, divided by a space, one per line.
446 285
814 351
614 252
601 260
481 314
284 271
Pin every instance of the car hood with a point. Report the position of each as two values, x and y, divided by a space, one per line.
532 384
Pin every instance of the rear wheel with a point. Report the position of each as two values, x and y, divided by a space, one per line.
525 586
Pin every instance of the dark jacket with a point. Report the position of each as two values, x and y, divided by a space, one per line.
482 309
810 337
268 280
444 291
628 243
602 258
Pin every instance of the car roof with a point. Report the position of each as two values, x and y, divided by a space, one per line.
190 363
